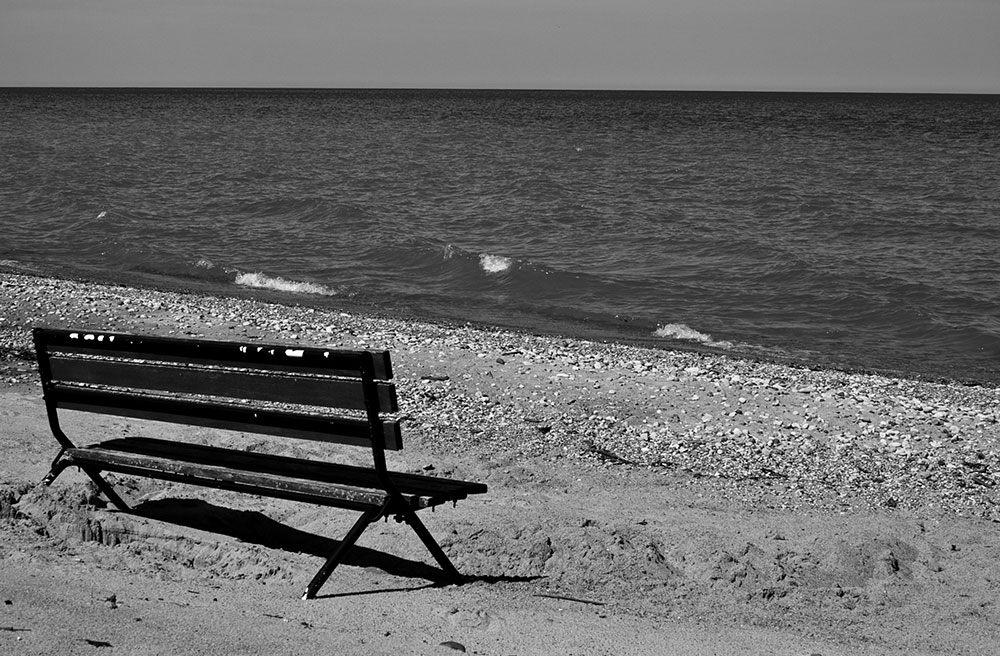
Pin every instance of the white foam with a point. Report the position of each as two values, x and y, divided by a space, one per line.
495 263
680 331
263 281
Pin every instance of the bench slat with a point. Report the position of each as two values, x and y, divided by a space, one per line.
281 474
225 478
299 425
432 487
340 362
340 367
211 381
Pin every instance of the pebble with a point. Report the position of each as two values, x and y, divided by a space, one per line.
842 440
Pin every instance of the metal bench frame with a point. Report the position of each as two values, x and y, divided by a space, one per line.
326 395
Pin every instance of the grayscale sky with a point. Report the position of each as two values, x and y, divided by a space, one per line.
809 45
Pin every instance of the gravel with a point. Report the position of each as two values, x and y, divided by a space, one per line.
765 434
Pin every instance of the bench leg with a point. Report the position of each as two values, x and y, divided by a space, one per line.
57 468
102 485
410 517
369 516
352 536
106 488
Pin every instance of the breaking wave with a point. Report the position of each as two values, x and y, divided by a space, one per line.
262 281
686 333
488 262
495 263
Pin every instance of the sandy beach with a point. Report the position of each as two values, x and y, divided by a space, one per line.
641 502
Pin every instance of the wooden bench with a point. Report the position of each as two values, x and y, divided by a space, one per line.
319 394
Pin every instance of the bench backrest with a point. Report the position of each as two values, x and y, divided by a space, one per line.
309 393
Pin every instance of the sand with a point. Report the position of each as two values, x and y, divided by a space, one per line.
641 502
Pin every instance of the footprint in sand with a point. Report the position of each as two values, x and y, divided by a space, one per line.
469 619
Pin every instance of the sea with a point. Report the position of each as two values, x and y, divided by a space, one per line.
852 231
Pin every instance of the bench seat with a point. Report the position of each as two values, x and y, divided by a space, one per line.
321 483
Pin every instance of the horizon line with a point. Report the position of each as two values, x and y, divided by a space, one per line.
202 87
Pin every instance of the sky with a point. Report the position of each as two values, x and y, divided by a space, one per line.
762 45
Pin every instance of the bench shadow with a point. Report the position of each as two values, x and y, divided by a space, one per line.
257 528
467 580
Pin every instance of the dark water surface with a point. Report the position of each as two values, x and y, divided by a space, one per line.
859 231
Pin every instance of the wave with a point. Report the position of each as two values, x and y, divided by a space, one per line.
276 283
495 263
686 333
488 262
437 267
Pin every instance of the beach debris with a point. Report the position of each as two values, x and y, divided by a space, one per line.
451 644
565 598
605 454
97 643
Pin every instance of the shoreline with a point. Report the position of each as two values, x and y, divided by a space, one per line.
410 317
653 501
730 419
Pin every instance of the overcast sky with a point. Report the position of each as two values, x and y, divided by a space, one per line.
810 45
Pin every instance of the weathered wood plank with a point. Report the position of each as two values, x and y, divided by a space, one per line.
275 356
431 487
268 475
251 419
226 478
218 382
345 366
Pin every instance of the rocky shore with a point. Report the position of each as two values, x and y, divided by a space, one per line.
771 434
769 508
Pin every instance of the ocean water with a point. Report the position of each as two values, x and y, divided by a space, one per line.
855 231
